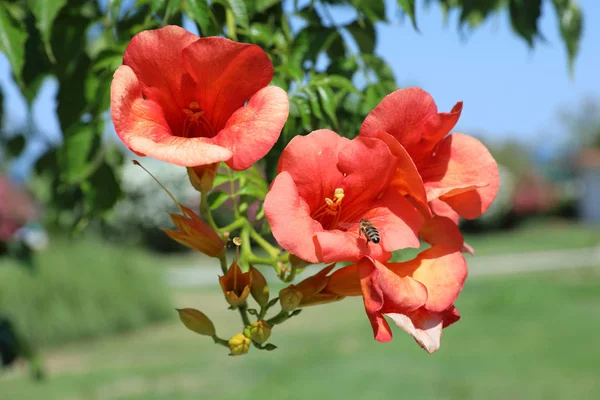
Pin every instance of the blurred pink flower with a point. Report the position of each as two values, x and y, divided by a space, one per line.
17 208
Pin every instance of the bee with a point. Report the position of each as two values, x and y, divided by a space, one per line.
371 233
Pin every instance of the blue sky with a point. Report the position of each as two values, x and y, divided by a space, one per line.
509 90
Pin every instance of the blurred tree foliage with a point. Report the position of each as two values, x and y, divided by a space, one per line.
328 68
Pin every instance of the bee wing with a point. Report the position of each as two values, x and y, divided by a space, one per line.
348 225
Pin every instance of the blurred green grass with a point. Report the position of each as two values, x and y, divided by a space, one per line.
83 288
535 235
522 336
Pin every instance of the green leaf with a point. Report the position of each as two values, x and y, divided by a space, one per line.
364 35
262 5
80 147
199 11
328 101
408 6
261 33
524 15
12 40
336 81
314 102
173 7
217 198
238 7
300 107
45 11
252 191
102 190
570 21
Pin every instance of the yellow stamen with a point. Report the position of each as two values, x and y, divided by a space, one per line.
194 116
331 207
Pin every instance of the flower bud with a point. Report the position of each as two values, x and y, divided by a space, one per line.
289 298
196 321
258 331
202 177
239 345
297 262
259 288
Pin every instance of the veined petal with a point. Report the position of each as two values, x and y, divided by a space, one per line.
407 180
345 281
463 170
142 126
226 74
155 56
424 326
397 221
443 271
373 300
253 130
368 167
442 230
335 246
441 208
284 208
312 161
411 116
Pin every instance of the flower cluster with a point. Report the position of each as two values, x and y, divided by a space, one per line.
403 181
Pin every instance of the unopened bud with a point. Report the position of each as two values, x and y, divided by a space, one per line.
196 321
237 241
289 298
259 288
239 345
258 331
297 262
202 177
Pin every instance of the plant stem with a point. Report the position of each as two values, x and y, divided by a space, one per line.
223 261
220 341
279 318
205 211
236 211
238 223
272 250
244 313
254 259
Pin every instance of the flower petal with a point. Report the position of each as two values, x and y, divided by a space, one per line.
442 230
226 74
336 246
312 160
441 269
441 208
397 221
410 115
463 170
142 126
155 56
368 167
373 300
407 180
345 281
425 327
284 209
253 130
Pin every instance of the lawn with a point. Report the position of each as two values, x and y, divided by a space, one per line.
526 336
537 235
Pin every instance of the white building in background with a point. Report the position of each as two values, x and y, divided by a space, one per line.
589 175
